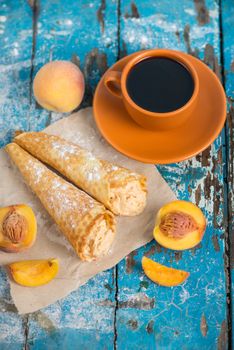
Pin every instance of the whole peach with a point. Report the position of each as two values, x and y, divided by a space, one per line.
59 86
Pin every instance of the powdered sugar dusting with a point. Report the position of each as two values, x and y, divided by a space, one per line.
64 149
92 170
36 169
65 199
114 167
91 167
82 168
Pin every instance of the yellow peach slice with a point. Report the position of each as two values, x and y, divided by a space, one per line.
179 225
18 228
33 273
163 275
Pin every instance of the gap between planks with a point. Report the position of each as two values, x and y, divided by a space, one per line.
35 12
116 267
227 196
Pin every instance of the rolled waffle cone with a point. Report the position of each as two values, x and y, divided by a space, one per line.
88 226
119 189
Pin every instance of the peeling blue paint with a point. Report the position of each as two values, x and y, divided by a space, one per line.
147 316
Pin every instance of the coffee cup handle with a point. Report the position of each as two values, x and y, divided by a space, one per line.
112 83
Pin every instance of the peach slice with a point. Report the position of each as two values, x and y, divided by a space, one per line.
33 273
163 275
179 225
18 228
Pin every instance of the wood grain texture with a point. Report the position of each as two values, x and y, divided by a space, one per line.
227 19
121 308
176 317
77 31
15 67
15 70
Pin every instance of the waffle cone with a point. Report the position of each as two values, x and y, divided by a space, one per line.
86 223
119 189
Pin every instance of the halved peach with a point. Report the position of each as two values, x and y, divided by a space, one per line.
163 275
33 273
179 225
18 228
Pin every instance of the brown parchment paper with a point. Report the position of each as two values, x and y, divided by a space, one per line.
132 232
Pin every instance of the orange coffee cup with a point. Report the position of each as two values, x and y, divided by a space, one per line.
115 82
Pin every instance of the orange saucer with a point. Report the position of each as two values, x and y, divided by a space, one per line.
167 146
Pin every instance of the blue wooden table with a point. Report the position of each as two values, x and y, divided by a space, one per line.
120 308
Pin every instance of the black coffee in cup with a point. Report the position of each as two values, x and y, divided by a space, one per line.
160 84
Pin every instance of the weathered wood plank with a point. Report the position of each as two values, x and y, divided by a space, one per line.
227 18
15 70
85 318
192 316
85 32
12 326
15 67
